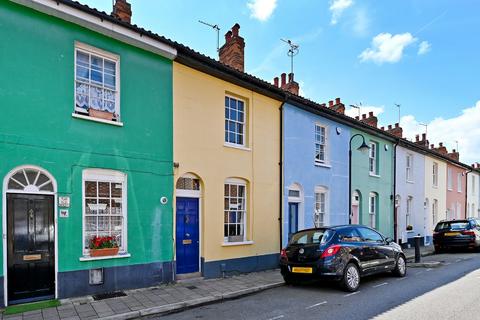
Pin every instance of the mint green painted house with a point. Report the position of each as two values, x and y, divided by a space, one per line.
85 150
372 183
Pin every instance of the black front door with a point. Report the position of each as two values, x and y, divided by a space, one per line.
30 243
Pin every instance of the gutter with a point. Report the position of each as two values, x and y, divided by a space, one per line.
466 191
280 166
395 213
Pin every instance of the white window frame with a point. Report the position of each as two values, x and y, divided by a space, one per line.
473 184
372 158
459 182
111 176
236 182
435 174
90 50
449 179
409 167
243 124
372 210
319 144
321 206
408 215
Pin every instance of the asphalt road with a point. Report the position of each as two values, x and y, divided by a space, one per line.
451 291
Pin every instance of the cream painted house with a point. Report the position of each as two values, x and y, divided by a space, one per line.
473 194
435 193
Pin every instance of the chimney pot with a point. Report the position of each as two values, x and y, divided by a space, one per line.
228 36
441 144
290 77
337 101
364 116
370 114
383 128
424 136
432 146
284 79
275 82
417 138
235 29
357 117
232 53
454 151
330 103
389 127
397 125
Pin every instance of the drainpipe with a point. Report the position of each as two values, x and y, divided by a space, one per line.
395 213
280 165
466 192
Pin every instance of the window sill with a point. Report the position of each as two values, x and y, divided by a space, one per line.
81 116
118 256
410 181
234 146
435 187
374 175
323 165
242 243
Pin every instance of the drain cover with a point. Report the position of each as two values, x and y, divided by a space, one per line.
191 287
109 295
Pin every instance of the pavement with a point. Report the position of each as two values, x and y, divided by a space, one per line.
165 299
451 291
157 300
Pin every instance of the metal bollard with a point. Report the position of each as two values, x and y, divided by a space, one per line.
417 248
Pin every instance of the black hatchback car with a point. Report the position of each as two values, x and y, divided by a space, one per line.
341 253
450 234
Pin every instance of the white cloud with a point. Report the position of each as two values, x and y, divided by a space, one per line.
464 128
387 48
353 112
337 7
261 9
361 22
424 47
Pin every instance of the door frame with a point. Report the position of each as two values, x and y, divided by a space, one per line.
4 223
196 194
297 217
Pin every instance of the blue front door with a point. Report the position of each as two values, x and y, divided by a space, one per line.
187 235
292 218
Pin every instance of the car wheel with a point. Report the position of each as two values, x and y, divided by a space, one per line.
289 280
400 267
351 278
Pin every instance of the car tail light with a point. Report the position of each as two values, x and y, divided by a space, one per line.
468 233
283 254
436 234
331 251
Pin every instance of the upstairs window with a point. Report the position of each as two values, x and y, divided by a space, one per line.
320 144
409 167
372 158
96 83
435 174
449 179
459 182
234 121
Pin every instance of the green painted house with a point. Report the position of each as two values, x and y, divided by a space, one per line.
372 181
85 152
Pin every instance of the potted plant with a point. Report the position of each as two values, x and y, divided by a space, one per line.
409 227
103 246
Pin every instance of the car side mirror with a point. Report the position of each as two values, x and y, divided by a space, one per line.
389 240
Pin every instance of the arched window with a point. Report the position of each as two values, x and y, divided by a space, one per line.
104 207
320 215
235 210
188 185
295 193
30 179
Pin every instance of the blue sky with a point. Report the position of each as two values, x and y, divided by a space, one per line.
423 54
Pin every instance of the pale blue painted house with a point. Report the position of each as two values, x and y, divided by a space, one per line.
315 174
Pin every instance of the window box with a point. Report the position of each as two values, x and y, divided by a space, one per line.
100 114
409 228
104 252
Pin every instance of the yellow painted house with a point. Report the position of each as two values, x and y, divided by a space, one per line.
227 175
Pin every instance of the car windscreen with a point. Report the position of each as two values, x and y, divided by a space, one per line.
318 236
452 225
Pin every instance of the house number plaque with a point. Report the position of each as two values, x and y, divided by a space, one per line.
64 202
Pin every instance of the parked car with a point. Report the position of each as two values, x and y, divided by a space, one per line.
341 253
450 234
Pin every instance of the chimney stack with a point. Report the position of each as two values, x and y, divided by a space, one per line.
275 82
423 142
290 86
122 10
454 155
441 149
395 130
338 106
371 120
232 53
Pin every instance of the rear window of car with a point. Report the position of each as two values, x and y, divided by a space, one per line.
319 236
452 225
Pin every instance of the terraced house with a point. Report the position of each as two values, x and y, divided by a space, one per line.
86 151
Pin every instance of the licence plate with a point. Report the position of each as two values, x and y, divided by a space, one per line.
301 270
451 234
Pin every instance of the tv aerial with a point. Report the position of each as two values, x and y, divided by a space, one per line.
292 52
216 28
